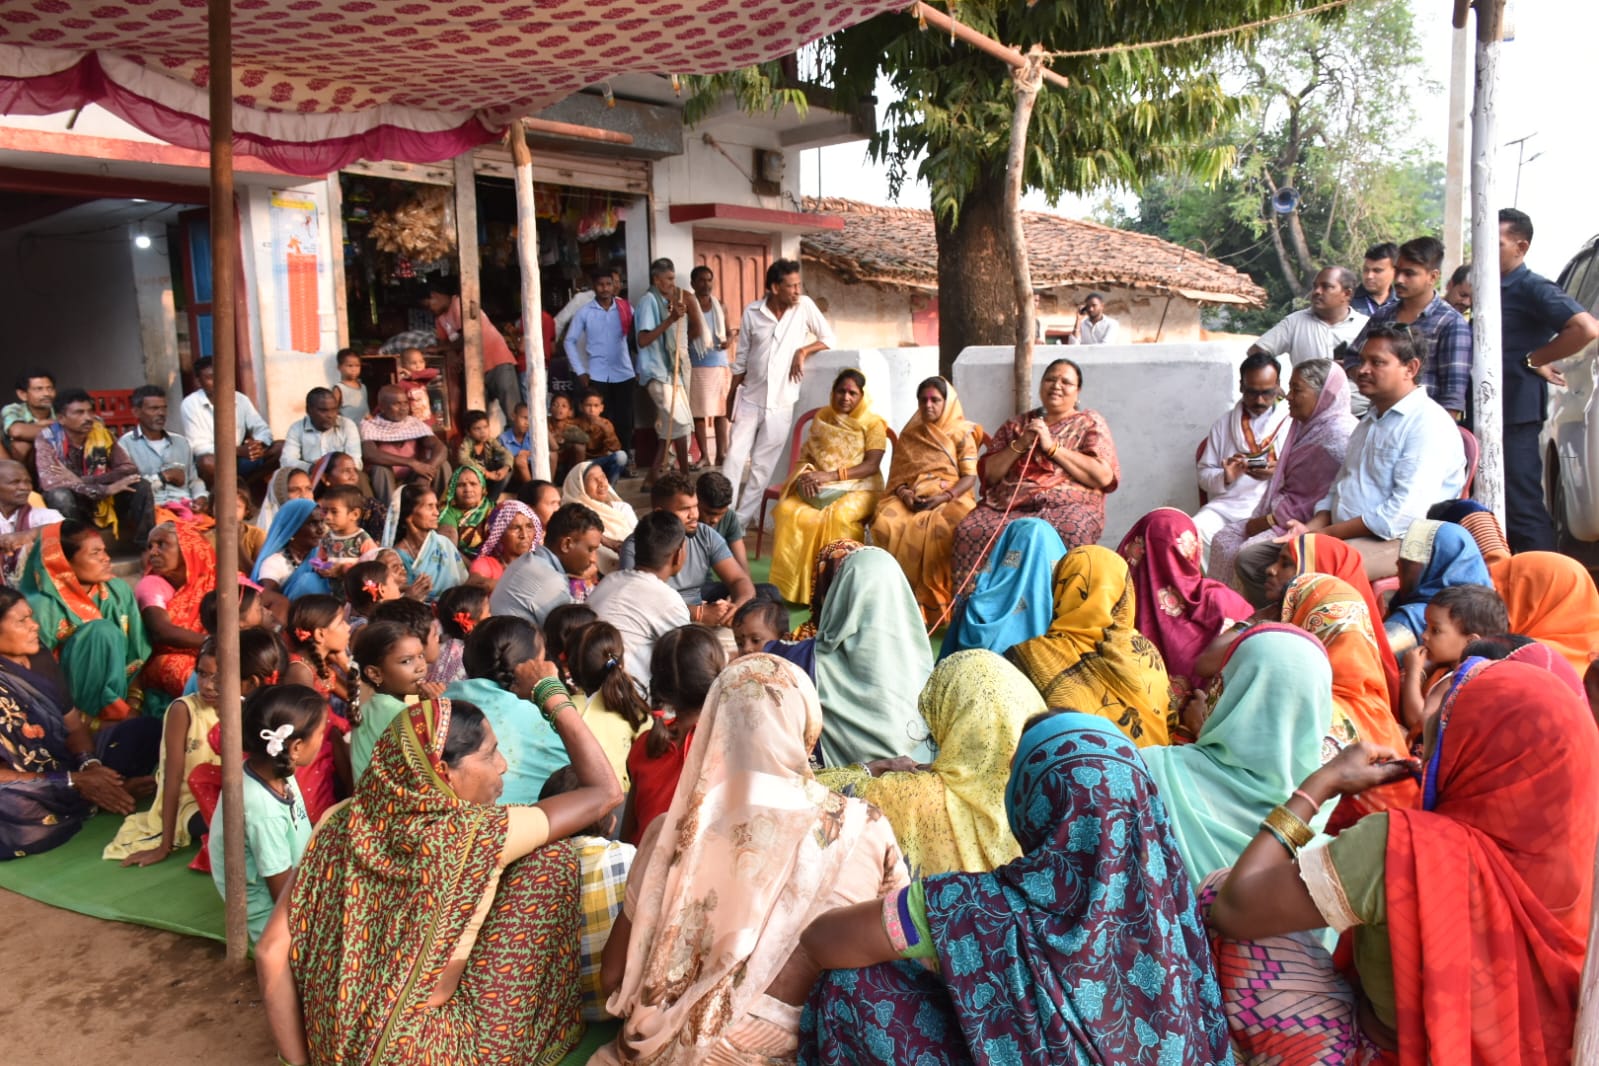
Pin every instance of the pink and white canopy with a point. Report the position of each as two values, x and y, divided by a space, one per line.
319 84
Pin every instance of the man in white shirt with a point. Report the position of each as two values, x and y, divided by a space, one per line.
322 431
1094 326
766 380
1242 450
164 459
258 455
639 602
1316 331
20 522
1404 456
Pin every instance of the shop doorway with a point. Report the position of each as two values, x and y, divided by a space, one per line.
738 262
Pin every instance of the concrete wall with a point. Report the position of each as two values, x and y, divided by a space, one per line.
1159 400
704 175
866 315
69 304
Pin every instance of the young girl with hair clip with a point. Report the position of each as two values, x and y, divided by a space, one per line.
616 712
683 666
393 672
147 837
318 637
262 660
283 731
562 627
365 586
459 611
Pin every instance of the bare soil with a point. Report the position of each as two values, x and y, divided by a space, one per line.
86 991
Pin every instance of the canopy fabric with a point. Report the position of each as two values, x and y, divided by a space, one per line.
322 83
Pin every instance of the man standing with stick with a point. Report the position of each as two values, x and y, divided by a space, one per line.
663 363
772 350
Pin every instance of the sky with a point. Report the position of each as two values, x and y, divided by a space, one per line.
1545 90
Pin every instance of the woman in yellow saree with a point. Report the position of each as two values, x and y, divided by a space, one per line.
929 491
833 490
1092 659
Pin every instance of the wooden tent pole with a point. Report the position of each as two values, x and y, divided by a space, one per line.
527 251
1029 78
224 259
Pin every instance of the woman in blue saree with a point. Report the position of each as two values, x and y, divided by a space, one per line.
285 560
423 549
1433 556
1088 948
50 779
1012 598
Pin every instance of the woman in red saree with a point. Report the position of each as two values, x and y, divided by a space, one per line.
180 567
1469 916
1179 609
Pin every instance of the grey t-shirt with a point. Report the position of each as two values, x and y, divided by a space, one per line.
706 548
531 587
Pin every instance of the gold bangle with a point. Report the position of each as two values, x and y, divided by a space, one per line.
1289 824
1012 447
842 473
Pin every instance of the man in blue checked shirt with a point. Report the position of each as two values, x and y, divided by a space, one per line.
1442 334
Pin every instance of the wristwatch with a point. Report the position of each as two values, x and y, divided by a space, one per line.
1528 361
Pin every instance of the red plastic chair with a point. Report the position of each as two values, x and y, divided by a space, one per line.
795 444
114 407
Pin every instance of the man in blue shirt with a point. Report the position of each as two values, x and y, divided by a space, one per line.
1377 279
1405 455
1540 325
1442 333
597 350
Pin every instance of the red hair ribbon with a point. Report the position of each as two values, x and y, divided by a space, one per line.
303 636
270 679
372 588
464 622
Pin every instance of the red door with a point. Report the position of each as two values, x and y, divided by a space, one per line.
739 262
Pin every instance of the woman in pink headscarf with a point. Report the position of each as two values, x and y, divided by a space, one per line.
1179 609
1318 400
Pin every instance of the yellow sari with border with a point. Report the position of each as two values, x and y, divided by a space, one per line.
840 510
929 459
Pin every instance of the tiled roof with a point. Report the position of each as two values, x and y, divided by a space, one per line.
895 246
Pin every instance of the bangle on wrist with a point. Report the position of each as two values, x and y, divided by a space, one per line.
1308 798
546 689
556 707
87 759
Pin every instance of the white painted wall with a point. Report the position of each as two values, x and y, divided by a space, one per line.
704 175
1159 400
284 377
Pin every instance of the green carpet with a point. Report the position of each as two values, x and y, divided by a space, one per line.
73 877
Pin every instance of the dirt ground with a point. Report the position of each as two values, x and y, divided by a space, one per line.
86 991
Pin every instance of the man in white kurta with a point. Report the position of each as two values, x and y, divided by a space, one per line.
1242 450
776 337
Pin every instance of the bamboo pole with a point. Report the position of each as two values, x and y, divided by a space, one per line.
1486 339
937 19
527 251
224 261
471 287
1028 78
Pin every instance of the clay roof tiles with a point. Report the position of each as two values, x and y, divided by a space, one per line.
895 246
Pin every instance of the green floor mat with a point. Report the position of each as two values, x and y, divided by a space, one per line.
73 877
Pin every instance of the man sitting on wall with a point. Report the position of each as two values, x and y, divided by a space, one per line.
85 474
1317 331
34 410
397 446
165 460
1404 456
1241 452
258 454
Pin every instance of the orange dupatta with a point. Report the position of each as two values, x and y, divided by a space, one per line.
1551 599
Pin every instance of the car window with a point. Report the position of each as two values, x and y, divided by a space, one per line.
1587 293
1576 273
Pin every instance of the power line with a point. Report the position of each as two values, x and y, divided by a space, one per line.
1117 48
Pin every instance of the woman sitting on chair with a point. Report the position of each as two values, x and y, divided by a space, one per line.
833 490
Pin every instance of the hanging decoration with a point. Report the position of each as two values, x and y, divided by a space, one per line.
423 229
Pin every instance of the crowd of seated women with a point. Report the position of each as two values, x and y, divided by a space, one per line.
1120 814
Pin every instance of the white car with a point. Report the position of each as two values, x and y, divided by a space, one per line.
1571 433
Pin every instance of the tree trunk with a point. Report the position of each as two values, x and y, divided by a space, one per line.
1284 264
1296 231
976 300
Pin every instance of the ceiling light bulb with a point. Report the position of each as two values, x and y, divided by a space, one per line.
141 242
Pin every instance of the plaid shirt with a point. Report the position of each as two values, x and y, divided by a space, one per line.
1444 338
605 864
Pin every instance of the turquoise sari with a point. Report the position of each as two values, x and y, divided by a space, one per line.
439 560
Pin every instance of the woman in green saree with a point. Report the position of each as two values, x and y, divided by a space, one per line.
425 922
87 618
